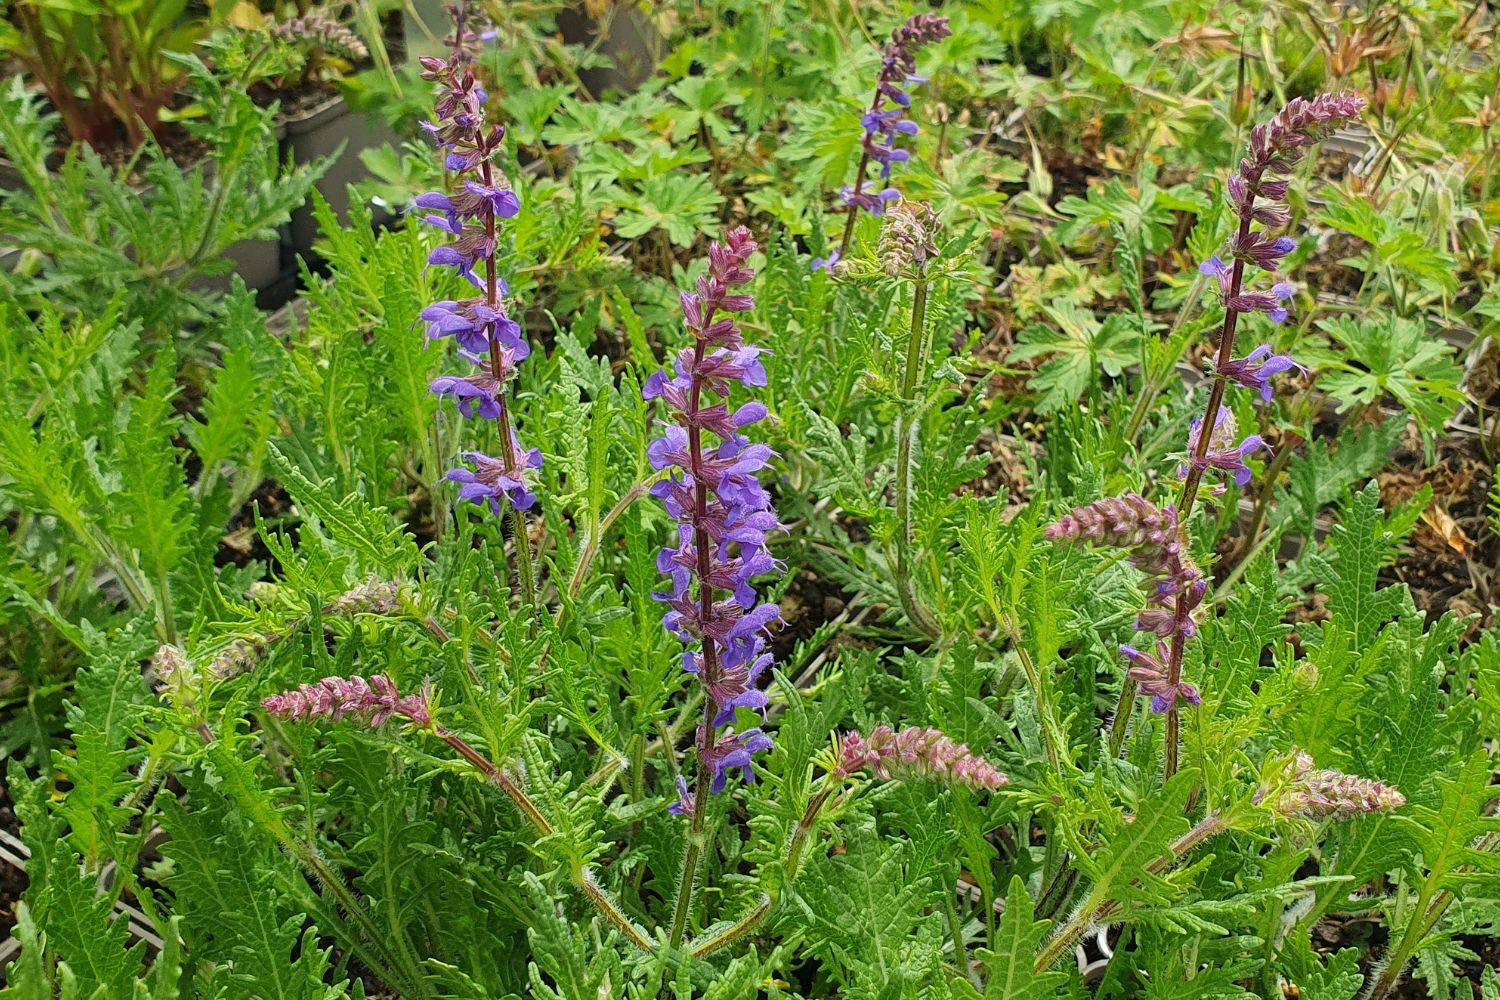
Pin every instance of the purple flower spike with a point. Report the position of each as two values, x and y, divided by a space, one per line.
372 701
471 213
1154 539
886 120
723 514
1257 191
917 752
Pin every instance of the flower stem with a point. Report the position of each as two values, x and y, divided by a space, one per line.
581 875
1195 478
707 650
734 931
1099 907
521 534
859 184
790 867
907 424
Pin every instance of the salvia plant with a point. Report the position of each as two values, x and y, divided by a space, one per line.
1073 585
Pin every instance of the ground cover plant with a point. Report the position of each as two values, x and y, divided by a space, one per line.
906 502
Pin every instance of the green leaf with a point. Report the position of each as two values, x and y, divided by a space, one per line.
1008 965
1363 542
351 521
682 204
230 888
1080 346
1393 356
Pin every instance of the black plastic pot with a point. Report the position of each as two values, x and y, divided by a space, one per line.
330 129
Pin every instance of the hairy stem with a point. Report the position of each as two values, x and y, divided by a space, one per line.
1098 906
907 425
581 875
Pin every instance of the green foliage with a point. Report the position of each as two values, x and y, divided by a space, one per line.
1396 357
203 509
1081 347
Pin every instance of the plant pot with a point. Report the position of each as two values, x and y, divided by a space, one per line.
322 131
629 38
260 264
256 262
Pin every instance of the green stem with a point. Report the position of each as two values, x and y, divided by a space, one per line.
1432 903
691 854
956 935
1098 906
1121 724
581 875
1158 380
790 868
907 424
735 931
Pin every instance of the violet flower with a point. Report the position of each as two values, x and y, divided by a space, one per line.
1255 370
1149 671
489 339
723 513
1221 453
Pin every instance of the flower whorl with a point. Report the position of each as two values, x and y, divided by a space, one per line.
1257 192
319 30
909 237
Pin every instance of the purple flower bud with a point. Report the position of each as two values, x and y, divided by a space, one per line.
374 701
1316 794
918 752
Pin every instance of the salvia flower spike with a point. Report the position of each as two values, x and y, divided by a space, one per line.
489 339
723 513
1153 538
1316 793
1174 587
322 31
886 121
1257 192
917 751
373 702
